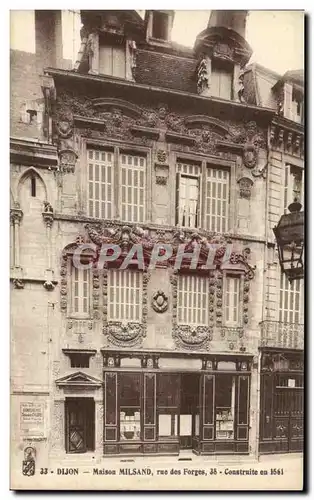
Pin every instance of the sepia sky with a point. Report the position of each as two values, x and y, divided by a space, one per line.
276 37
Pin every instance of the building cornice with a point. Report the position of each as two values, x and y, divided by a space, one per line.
123 85
33 152
83 219
282 122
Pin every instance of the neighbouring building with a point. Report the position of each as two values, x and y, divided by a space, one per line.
144 141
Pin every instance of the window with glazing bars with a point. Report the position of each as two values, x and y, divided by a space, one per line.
80 291
132 189
125 295
217 200
100 183
290 300
293 188
188 194
232 300
192 308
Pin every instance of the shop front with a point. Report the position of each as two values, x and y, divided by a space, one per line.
158 405
282 391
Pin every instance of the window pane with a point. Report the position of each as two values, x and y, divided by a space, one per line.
100 185
217 199
133 171
124 295
192 300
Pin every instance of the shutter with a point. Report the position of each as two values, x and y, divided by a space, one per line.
105 60
118 61
178 182
225 84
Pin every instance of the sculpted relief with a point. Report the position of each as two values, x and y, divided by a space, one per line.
119 119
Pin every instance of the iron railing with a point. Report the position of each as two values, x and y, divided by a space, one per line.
281 334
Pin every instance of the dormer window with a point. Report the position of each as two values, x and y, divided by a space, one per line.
297 106
112 59
160 26
221 79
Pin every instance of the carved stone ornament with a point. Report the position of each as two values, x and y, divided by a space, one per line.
124 334
252 139
223 51
127 334
123 120
49 285
48 214
16 214
162 173
249 156
18 284
245 185
67 160
186 336
161 156
160 302
202 76
64 128
189 337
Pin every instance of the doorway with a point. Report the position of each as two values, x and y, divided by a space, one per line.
189 401
80 425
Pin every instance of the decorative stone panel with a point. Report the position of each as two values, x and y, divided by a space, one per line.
129 333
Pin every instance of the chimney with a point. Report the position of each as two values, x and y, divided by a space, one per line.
231 19
48 38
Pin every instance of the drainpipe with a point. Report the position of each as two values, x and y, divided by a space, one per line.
265 288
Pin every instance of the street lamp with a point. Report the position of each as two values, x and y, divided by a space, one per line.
289 235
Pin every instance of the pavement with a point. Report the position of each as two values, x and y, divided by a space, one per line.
185 472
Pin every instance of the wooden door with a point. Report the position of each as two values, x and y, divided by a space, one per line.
76 426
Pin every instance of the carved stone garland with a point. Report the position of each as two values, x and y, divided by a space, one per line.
186 336
126 121
131 333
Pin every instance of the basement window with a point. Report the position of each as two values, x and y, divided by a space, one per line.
160 26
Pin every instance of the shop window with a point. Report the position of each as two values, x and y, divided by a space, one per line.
168 405
225 406
130 406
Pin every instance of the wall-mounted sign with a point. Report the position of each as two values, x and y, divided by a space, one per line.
291 382
32 419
